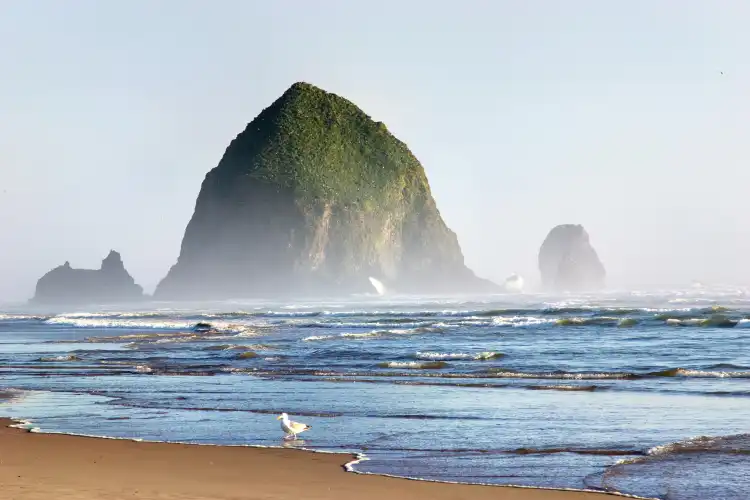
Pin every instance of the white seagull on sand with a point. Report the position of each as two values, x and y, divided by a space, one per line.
292 428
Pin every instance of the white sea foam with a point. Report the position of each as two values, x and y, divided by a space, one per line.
521 321
313 338
563 375
107 322
114 314
372 333
713 374
362 335
24 424
153 324
413 364
456 356
694 443
20 317
378 285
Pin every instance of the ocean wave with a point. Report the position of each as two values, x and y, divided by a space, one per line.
374 333
597 320
383 323
257 314
520 321
131 323
418 365
238 347
582 315
233 369
503 373
457 356
313 338
117 362
109 322
715 321
21 317
726 366
562 387
578 451
68 357
669 372
137 365
115 314
738 443
701 467
712 374
362 335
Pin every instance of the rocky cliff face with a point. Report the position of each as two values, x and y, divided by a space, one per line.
314 197
567 261
110 284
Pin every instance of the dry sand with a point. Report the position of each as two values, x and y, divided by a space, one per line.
36 466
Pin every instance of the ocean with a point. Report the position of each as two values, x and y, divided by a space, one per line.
643 393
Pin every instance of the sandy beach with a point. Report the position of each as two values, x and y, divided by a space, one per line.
36 466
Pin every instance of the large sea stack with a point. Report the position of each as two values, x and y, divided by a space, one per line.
314 198
67 286
568 262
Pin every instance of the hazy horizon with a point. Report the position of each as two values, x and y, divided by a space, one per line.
627 118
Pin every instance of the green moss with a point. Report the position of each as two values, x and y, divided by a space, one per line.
325 148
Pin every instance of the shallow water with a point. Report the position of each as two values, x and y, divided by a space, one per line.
574 392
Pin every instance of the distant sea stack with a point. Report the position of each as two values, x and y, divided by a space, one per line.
109 284
513 283
314 198
568 262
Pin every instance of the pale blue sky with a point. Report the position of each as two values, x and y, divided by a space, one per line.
525 114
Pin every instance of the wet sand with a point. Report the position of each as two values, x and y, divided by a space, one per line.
36 466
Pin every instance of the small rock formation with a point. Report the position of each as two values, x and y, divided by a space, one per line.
513 283
110 284
313 198
568 262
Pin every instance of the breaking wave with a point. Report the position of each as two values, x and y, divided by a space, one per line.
69 357
137 323
374 333
457 356
419 365
698 468
21 317
670 372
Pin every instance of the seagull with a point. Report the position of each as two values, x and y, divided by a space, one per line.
291 428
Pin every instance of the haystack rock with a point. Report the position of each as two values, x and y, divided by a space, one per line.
313 198
109 284
568 262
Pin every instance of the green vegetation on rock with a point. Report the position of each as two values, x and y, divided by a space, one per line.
325 148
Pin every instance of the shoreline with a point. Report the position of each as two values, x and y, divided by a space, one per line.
38 465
